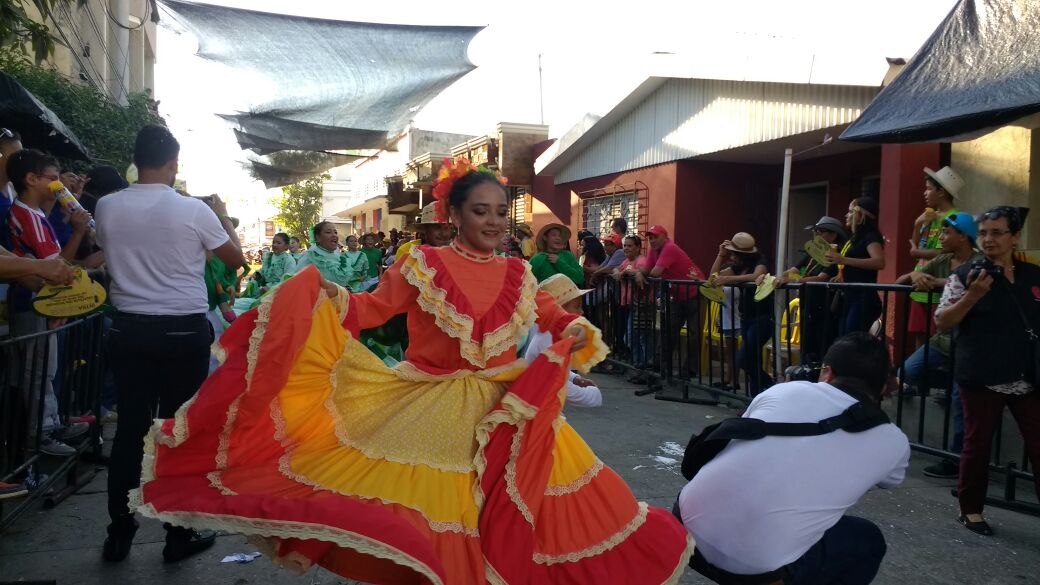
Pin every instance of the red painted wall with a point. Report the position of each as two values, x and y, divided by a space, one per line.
843 173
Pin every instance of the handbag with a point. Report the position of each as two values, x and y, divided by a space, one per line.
1033 338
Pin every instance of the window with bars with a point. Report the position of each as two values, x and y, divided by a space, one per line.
599 212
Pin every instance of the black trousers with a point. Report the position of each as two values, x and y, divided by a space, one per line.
158 363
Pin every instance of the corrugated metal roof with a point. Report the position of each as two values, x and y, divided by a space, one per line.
685 118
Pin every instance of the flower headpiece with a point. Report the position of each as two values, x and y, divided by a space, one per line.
452 171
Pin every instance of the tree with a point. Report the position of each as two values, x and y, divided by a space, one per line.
107 129
299 207
17 29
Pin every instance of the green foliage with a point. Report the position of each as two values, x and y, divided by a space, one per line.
19 31
105 128
299 207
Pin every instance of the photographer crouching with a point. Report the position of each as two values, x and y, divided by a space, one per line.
768 492
993 306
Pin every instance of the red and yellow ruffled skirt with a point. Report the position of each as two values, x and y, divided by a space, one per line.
307 441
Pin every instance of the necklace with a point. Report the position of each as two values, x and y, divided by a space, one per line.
468 255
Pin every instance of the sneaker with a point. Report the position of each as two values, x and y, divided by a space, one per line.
51 446
12 490
181 543
120 539
73 430
944 469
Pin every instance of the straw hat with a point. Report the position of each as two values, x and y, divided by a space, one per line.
742 243
946 178
428 216
564 231
525 229
562 288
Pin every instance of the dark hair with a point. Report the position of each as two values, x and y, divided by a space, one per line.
461 188
1014 215
284 236
155 146
27 161
104 179
320 226
582 234
619 225
594 249
870 205
860 356
294 238
636 239
746 262
9 135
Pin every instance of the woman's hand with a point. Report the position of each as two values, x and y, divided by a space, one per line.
834 257
980 284
581 338
723 250
330 288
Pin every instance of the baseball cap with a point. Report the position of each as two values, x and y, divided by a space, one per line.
613 239
964 223
657 230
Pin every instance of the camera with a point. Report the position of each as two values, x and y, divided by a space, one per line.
987 265
809 372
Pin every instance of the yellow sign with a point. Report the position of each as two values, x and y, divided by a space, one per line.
817 249
713 293
82 297
765 288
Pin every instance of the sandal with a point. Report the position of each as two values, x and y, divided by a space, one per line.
980 527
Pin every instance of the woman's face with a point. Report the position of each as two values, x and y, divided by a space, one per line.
631 249
849 216
352 243
996 239
554 241
328 238
482 218
581 247
294 245
609 248
279 245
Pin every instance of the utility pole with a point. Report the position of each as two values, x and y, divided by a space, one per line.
541 95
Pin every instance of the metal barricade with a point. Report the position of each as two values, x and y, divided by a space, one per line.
54 374
706 351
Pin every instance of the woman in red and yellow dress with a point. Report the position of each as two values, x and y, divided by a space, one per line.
452 467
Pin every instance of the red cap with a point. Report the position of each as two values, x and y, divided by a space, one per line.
613 239
657 230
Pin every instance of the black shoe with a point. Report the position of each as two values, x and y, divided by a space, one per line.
639 378
645 391
943 470
980 527
181 543
120 539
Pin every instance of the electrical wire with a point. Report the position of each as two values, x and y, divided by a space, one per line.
75 31
75 54
144 19
97 31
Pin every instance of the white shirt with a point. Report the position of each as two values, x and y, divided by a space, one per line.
155 242
588 396
760 505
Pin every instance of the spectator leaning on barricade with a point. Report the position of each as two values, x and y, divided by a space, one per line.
32 236
553 257
668 261
859 261
738 264
993 308
818 325
753 527
940 190
637 306
155 243
931 363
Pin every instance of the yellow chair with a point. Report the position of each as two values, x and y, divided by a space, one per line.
790 330
713 333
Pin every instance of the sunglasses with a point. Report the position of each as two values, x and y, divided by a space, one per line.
1004 211
5 133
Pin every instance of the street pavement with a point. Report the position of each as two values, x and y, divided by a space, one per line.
639 437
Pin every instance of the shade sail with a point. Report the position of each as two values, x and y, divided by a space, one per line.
339 85
38 125
979 70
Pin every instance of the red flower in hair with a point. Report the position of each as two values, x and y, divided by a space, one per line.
450 172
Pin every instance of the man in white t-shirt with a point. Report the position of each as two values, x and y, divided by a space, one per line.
774 507
155 242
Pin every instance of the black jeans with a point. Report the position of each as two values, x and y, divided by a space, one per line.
849 553
682 312
158 363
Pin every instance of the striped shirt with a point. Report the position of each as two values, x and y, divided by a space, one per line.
32 236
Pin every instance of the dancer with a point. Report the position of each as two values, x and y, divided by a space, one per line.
333 265
453 467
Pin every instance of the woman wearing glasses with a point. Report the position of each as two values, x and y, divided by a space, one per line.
993 306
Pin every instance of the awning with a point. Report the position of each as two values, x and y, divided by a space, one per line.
979 70
324 85
38 125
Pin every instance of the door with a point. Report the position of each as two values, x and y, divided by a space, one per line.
808 203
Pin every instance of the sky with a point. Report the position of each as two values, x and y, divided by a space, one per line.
592 53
